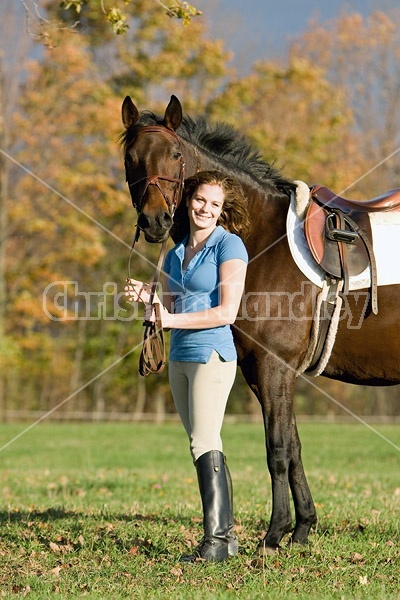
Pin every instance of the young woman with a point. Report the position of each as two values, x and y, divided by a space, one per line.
204 282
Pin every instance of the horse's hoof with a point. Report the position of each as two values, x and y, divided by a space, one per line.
262 552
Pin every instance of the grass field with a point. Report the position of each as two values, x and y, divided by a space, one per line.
104 511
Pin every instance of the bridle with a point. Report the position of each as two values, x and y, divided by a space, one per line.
153 355
155 179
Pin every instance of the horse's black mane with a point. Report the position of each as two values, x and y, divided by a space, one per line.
227 145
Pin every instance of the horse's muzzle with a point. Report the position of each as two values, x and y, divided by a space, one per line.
156 229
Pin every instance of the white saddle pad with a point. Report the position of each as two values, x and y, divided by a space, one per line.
386 243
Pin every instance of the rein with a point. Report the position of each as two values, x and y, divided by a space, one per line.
153 355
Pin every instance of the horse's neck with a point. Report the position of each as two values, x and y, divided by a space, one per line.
267 208
197 159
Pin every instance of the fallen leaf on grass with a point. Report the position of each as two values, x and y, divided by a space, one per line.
18 589
104 491
177 571
60 548
363 579
357 558
140 544
196 519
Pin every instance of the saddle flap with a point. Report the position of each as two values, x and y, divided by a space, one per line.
345 246
314 227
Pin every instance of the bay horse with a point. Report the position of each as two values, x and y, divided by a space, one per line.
271 344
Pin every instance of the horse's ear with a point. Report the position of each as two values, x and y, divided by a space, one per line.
130 113
173 114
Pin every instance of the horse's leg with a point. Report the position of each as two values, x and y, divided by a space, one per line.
273 383
306 515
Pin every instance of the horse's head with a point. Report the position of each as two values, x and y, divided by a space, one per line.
154 167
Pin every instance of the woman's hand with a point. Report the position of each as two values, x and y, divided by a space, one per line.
137 291
150 315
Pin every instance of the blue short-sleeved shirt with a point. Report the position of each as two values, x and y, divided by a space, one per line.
196 289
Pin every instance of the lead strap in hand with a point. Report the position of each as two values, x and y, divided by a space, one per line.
153 356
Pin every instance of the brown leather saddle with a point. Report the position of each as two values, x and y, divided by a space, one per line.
338 232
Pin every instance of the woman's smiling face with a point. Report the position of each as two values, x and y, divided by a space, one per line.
205 206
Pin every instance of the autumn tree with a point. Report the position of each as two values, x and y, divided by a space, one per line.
69 213
12 53
293 115
68 218
361 57
112 15
155 57
73 221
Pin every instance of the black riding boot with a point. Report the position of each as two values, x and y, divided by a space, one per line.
233 544
214 493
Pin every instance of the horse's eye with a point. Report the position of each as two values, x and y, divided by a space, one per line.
177 155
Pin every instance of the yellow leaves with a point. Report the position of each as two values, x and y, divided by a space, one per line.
117 20
74 4
359 56
290 112
182 10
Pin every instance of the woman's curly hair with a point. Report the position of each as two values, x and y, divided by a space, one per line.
234 216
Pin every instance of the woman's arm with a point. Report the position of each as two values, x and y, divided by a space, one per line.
232 276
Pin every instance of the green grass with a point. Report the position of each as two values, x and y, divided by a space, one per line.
104 511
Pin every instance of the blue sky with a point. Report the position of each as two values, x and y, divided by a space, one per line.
261 29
